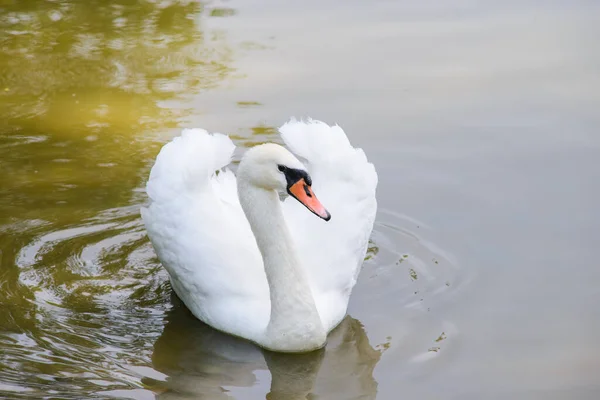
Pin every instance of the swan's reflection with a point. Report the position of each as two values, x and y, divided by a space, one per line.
203 363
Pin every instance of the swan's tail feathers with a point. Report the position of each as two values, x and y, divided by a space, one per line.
187 163
327 148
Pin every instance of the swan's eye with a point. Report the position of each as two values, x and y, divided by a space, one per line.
281 168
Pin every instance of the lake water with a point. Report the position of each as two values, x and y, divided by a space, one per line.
482 279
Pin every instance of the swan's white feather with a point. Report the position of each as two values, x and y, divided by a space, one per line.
345 183
202 236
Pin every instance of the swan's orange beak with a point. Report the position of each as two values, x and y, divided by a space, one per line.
302 192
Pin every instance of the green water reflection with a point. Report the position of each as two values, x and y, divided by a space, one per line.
84 86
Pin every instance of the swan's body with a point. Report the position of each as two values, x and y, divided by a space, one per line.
247 263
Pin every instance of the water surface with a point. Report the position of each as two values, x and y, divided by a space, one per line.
481 118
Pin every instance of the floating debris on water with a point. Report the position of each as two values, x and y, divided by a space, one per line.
248 104
372 251
384 346
401 260
441 337
413 274
222 12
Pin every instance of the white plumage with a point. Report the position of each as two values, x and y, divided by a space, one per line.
203 237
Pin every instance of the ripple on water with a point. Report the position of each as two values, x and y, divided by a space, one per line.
98 301
406 281
103 321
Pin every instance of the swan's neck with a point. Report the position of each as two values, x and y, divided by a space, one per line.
294 321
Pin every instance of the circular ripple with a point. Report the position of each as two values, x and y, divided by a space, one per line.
98 300
404 287
402 260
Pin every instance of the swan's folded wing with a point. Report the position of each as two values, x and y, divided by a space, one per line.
199 231
345 183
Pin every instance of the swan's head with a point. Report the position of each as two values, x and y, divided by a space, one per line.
272 167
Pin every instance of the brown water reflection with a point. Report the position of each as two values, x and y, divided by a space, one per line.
199 362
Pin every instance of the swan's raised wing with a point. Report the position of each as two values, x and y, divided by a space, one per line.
345 182
200 233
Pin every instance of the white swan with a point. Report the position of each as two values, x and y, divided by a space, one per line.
247 263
